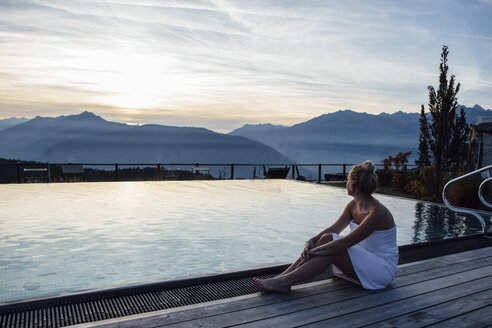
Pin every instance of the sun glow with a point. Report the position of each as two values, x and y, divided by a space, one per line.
134 80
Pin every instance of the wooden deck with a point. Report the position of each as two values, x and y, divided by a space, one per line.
448 291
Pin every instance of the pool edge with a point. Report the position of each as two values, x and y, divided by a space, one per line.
408 253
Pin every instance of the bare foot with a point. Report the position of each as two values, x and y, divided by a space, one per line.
271 285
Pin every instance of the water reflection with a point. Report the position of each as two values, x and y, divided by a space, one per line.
434 222
127 232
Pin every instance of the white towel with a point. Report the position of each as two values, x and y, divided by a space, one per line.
375 259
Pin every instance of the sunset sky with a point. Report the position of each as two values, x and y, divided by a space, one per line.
221 64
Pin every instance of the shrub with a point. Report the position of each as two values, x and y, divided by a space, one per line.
400 180
384 177
420 182
464 193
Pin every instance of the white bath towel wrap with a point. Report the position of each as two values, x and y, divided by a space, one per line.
375 259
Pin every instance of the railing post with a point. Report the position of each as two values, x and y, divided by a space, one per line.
293 172
18 172
49 173
158 171
344 170
232 171
319 173
195 173
116 172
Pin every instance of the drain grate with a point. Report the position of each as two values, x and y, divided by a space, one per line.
84 308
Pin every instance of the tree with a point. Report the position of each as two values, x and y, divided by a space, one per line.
400 160
388 175
459 142
446 134
424 156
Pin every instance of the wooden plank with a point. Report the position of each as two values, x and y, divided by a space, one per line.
324 312
199 311
411 304
440 312
310 301
453 258
443 261
478 318
479 252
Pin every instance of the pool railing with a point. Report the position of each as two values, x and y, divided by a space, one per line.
45 170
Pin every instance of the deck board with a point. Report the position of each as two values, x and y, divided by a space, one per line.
481 317
330 314
440 312
435 291
377 312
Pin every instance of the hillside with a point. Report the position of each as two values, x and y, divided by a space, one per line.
89 138
346 136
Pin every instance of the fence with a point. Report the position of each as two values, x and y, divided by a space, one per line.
53 172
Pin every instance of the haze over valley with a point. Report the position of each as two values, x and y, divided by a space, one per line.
341 137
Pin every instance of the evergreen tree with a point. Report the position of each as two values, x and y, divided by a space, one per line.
424 157
459 142
447 133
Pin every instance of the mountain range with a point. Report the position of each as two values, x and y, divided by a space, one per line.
88 138
340 137
346 136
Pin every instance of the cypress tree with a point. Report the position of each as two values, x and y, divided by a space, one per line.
446 133
459 142
424 157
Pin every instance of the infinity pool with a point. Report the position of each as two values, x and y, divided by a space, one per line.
67 237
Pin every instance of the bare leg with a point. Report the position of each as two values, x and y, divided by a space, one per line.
308 270
326 238
300 261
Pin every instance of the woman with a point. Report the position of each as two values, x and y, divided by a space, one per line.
367 256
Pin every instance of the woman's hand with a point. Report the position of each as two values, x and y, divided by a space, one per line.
307 248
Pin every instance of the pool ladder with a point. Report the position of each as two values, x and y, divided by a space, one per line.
485 172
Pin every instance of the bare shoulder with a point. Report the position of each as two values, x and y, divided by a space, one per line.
384 216
352 204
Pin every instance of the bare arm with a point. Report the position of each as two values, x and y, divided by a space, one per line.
338 226
364 230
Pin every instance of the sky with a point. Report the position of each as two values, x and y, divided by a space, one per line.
222 64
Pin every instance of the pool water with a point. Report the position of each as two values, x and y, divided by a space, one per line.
67 237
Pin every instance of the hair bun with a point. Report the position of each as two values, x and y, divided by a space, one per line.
364 177
368 167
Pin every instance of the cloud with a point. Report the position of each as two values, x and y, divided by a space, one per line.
254 61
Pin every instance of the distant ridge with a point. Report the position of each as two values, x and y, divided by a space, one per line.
88 138
346 136
10 122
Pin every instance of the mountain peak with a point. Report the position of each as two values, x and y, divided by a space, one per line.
257 128
85 115
83 118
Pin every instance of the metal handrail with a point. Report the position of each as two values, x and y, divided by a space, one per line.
482 199
465 210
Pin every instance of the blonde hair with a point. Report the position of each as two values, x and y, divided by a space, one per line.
364 177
